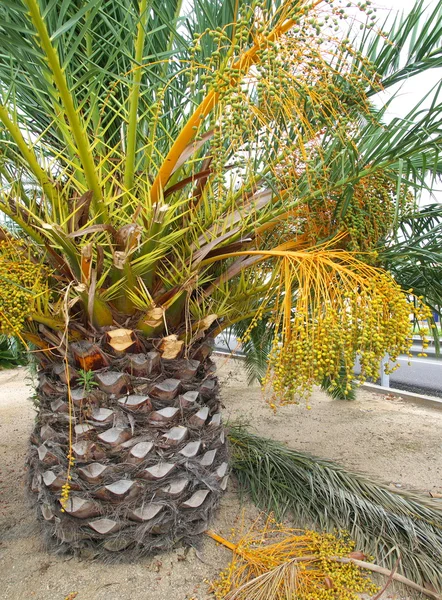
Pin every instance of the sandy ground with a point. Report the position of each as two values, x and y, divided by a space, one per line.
394 441
391 439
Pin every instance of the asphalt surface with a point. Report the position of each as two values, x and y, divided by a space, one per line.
424 375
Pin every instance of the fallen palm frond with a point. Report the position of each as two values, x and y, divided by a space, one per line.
320 494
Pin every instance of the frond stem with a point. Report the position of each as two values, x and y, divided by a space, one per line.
78 131
28 154
134 96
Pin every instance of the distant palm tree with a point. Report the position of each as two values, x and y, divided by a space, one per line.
174 169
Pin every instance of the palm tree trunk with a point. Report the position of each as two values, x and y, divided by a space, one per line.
149 449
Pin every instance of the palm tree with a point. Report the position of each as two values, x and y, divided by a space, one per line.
172 170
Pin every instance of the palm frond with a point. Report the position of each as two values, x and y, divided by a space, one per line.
340 388
409 45
319 493
148 146
12 352
256 348
414 256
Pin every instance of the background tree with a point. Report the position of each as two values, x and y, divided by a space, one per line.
173 171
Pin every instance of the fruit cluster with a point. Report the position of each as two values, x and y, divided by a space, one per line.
21 280
325 335
341 581
371 209
310 557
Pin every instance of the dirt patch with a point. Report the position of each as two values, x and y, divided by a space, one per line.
391 440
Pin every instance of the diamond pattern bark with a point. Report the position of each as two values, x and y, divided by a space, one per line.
149 447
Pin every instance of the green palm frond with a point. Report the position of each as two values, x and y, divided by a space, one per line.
256 348
12 352
152 149
340 388
415 257
315 492
411 45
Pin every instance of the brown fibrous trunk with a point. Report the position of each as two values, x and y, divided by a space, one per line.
149 449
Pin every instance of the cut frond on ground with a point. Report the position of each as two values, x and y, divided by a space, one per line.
318 493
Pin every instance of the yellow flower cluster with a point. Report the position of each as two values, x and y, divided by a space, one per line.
20 280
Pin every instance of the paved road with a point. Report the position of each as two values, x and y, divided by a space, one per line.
423 375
